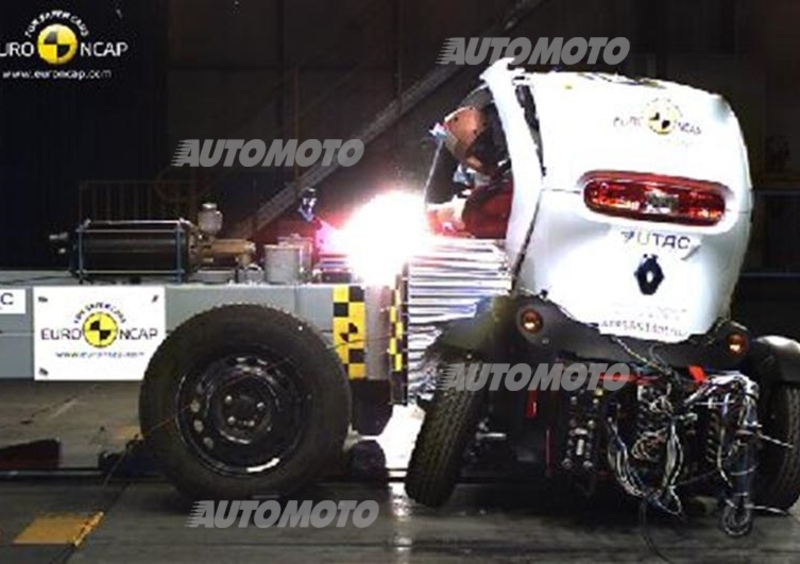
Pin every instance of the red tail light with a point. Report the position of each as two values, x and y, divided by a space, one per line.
654 198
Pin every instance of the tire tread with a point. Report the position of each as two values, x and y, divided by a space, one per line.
780 484
438 453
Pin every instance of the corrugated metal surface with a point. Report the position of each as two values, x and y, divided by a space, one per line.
447 283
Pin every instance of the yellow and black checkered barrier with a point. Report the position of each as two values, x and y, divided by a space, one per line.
397 339
349 329
351 335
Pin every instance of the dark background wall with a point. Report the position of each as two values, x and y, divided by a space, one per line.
305 68
315 69
55 133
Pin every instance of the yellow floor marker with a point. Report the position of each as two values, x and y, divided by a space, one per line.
68 529
126 433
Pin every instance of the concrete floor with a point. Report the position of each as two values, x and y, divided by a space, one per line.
145 522
87 418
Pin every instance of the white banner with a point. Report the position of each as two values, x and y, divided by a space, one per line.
12 302
96 332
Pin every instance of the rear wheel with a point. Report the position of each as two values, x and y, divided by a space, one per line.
778 478
244 400
447 430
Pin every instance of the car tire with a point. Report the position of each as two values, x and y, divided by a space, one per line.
778 476
447 430
280 366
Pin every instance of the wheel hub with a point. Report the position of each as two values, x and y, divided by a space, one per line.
245 407
244 412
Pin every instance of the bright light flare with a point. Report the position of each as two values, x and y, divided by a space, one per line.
384 234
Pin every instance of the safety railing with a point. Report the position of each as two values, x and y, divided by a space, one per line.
303 111
171 194
138 199
379 114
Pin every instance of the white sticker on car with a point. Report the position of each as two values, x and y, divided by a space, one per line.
644 320
650 241
96 333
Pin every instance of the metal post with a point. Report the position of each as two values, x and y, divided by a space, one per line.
296 108
194 191
399 43
280 105
81 190
136 194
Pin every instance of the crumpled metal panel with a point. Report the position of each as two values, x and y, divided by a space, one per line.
446 283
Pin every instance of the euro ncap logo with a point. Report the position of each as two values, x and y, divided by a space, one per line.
662 116
57 44
100 329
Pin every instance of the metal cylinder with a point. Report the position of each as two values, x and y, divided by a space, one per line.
209 219
307 258
113 248
283 264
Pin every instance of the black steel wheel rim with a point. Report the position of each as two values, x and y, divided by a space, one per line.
243 413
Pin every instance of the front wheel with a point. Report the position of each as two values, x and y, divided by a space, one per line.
244 400
778 477
447 430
